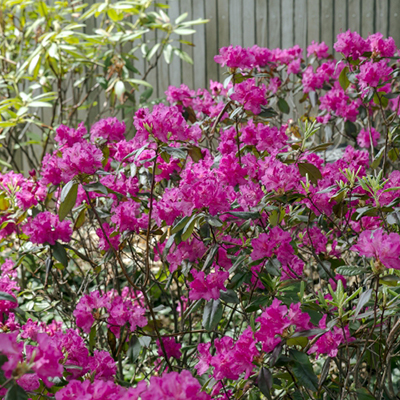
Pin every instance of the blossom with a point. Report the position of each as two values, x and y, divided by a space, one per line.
172 348
252 97
364 139
318 49
235 57
276 319
373 74
207 287
102 365
110 129
46 228
380 245
329 342
66 136
80 158
351 44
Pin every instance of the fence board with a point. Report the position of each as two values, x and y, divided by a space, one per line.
394 21
367 17
199 55
175 77
274 24
223 29
327 29
313 21
287 24
354 15
187 69
261 23
300 23
249 33
382 16
235 22
212 44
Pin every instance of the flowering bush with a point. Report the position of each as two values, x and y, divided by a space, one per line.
233 249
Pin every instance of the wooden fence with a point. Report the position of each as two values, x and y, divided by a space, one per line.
269 23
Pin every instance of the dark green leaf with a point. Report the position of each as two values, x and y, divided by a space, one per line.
343 79
96 187
347 270
275 354
16 393
313 172
211 256
180 225
195 153
362 301
364 394
7 297
67 199
59 253
229 296
134 349
245 215
92 338
176 152
325 371
350 128
188 229
212 314
283 106
264 382
303 370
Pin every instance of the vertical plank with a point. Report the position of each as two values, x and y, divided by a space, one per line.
367 17
212 44
313 21
249 37
175 78
274 24
382 16
235 22
340 20
327 33
162 66
261 22
354 13
223 30
394 21
187 69
300 23
200 49
287 24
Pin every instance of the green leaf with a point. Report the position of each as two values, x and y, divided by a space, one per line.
362 301
229 296
364 394
378 158
303 370
313 172
134 349
59 253
264 382
212 314
7 297
343 79
210 257
283 106
68 199
195 153
350 128
180 225
96 187
347 270
184 31
92 338
146 95
188 229
183 55
16 393
168 53
153 51
245 215
181 18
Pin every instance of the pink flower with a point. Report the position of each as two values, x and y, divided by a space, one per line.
182 94
318 49
280 177
383 47
276 319
384 247
207 287
373 74
172 348
81 158
110 129
234 57
46 228
329 342
252 97
174 386
364 140
351 44
102 365
113 239
336 100
66 136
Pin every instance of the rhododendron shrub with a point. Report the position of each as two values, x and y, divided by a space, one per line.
244 244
